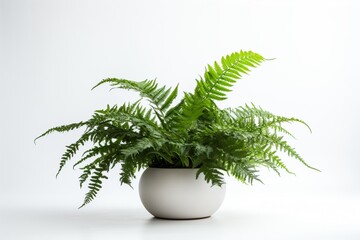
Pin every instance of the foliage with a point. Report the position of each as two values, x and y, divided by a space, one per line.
194 133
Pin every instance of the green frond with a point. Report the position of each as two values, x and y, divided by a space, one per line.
71 150
159 97
257 118
128 170
63 128
279 128
278 162
211 174
244 173
218 80
170 98
265 156
139 146
95 182
214 86
283 146
84 176
98 150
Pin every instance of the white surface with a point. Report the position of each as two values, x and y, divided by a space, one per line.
52 52
270 217
177 194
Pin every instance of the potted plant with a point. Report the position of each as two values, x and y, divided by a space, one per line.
187 147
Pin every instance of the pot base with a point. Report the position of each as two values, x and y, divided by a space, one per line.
180 219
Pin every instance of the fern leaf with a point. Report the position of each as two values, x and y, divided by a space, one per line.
160 97
90 153
170 99
71 150
283 146
95 183
211 174
128 170
84 176
63 128
245 174
218 79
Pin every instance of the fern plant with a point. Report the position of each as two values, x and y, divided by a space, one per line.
193 133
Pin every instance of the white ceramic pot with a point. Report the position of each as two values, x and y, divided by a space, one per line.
175 193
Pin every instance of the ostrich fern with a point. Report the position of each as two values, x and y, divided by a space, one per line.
194 133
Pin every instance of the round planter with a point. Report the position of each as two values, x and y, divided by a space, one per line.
175 193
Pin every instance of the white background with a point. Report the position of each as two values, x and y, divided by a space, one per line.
53 52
